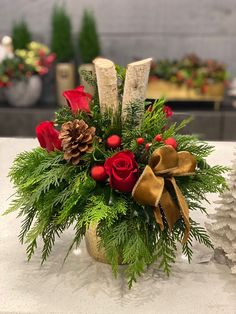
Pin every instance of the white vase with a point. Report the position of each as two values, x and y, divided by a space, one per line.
24 93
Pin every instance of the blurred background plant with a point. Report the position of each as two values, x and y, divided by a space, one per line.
61 36
21 36
88 40
35 59
38 56
191 71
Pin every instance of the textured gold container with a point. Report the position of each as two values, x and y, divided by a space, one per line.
92 241
65 80
171 91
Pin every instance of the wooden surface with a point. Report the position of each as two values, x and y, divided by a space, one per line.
84 286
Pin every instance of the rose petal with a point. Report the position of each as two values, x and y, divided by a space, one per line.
77 99
123 185
48 136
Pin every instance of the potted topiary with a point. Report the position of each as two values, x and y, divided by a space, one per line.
89 47
62 46
21 35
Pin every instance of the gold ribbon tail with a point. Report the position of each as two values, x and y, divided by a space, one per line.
184 209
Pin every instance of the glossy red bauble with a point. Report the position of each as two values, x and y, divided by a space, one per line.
114 141
171 141
140 140
98 173
158 138
147 146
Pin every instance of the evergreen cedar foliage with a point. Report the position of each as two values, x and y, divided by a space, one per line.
61 38
52 195
21 35
89 45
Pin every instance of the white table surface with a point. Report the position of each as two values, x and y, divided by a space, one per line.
87 287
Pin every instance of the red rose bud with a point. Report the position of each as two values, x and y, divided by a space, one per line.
48 136
158 138
147 146
77 99
41 53
122 170
98 173
140 140
179 76
50 59
168 111
114 141
43 71
204 89
171 141
189 83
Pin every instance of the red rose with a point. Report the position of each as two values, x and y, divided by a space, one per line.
48 136
77 99
122 170
168 111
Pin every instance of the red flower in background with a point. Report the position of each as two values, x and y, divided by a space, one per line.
48 136
122 170
77 99
168 111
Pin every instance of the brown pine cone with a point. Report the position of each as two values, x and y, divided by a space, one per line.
77 139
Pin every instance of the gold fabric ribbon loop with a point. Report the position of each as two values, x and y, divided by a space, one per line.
157 187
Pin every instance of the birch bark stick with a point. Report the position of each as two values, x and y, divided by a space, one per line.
136 81
107 84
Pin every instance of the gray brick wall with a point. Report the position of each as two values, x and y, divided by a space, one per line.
137 28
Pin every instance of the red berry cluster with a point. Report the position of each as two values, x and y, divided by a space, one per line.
169 141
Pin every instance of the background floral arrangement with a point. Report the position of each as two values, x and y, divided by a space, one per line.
90 169
191 71
36 59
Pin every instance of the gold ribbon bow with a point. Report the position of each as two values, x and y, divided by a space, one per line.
157 187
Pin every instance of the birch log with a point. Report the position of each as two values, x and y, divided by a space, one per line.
136 81
107 84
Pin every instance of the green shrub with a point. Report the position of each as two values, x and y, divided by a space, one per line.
21 35
89 45
61 38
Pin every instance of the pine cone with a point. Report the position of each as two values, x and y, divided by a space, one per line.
77 139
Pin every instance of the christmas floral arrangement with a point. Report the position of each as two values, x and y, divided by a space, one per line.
118 164
190 71
37 59
38 56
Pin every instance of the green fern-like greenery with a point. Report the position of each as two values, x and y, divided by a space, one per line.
21 35
61 37
52 194
89 45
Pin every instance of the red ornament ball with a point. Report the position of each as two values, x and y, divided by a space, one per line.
147 146
171 141
114 141
158 138
140 140
98 173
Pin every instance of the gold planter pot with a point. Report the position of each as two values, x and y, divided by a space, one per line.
92 240
171 91
89 67
92 244
65 80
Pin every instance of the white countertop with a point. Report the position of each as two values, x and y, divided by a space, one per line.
87 287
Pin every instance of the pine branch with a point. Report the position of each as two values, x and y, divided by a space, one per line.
89 77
